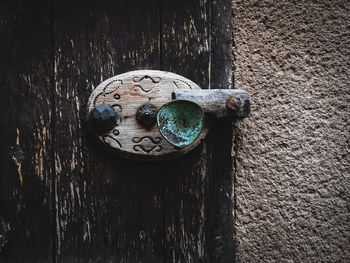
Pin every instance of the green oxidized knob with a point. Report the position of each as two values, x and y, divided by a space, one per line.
180 122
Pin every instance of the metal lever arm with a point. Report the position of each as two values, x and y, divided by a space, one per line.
219 102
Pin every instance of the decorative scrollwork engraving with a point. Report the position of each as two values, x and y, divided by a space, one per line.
107 90
147 148
139 147
111 141
153 79
95 99
156 140
178 81
143 89
109 84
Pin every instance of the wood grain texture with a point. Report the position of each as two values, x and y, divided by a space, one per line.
26 135
109 209
126 93
186 51
223 137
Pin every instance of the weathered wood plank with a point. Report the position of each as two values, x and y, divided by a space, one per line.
109 209
26 132
186 51
222 249
200 226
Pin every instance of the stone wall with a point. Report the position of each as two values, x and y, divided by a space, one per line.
292 188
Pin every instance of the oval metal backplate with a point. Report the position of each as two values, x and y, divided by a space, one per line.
125 93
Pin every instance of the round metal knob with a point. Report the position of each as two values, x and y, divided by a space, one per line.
102 119
146 115
180 122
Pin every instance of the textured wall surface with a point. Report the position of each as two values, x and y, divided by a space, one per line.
293 162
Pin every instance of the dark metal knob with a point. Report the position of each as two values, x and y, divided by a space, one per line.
146 115
102 119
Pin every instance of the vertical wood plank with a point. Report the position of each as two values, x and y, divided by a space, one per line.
109 209
26 135
186 51
197 43
222 249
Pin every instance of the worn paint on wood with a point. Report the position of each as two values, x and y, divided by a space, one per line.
107 208
186 51
223 150
26 132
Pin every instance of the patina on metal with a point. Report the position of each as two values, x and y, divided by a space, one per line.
146 115
180 122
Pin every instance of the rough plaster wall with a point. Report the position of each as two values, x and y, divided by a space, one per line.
293 162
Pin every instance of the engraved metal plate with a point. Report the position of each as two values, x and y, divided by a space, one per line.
126 93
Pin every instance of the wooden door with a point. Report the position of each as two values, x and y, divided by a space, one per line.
63 198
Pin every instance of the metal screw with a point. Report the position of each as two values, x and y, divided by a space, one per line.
234 105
